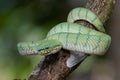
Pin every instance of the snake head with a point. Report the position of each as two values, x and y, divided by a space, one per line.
43 47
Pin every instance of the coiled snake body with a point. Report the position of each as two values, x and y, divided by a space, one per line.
78 39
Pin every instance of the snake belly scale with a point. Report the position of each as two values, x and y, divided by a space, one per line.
78 39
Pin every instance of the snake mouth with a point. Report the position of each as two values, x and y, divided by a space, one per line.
50 50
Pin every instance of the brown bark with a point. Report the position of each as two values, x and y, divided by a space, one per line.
53 67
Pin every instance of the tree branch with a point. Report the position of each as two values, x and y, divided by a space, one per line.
53 67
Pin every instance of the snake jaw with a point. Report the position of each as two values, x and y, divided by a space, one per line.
50 50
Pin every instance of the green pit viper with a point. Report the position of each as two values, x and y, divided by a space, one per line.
78 39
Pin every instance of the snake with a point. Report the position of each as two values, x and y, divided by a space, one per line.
78 39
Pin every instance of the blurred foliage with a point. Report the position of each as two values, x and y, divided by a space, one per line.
23 20
30 20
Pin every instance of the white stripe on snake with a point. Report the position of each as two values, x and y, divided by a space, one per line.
78 39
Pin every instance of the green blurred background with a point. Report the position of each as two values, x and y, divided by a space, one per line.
30 20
